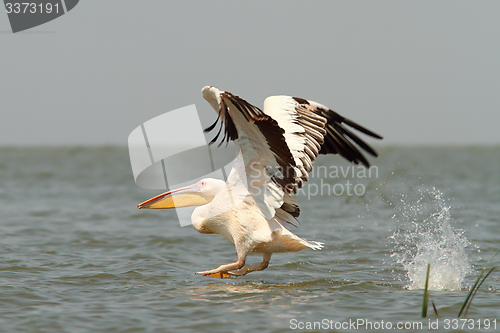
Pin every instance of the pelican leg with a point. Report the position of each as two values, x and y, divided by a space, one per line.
266 257
223 270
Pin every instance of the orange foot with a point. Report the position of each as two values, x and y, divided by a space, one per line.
219 275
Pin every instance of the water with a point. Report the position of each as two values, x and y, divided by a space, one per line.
77 256
428 237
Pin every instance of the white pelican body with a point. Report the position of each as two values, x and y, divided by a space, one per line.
277 147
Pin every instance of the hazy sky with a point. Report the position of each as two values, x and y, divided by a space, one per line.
413 71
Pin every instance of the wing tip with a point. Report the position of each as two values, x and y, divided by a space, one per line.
209 89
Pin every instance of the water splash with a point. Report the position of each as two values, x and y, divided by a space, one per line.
425 235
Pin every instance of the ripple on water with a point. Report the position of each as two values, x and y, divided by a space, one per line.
82 258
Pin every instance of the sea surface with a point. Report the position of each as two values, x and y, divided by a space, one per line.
76 255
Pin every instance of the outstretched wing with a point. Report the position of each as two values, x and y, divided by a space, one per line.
280 144
266 167
312 128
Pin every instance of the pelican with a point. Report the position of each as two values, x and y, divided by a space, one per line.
277 147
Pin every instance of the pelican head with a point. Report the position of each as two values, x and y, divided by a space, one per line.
197 194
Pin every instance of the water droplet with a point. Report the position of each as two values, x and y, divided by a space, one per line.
424 234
